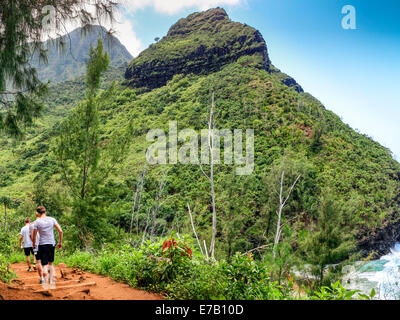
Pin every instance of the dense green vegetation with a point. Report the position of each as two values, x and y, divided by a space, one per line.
209 30
347 187
201 44
172 268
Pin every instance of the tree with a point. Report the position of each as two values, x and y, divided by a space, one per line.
211 147
330 239
7 202
86 159
156 39
194 230
288 195
316 143
282 204
137 199
280 193
22 31
80 134
236 191
282 258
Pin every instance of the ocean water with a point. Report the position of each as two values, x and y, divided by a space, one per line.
383 275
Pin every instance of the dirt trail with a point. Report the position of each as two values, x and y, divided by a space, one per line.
71 284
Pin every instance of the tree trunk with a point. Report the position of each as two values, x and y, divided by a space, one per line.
194 230
278 224
282 205
211 146
211 141
157 205
139 190
278 230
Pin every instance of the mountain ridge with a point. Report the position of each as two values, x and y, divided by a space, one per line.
69 62
201 43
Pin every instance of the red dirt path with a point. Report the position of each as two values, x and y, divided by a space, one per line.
71 284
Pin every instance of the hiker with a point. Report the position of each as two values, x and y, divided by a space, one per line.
36 250
28 245
45 228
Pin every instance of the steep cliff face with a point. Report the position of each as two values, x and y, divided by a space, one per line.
202 43
379 241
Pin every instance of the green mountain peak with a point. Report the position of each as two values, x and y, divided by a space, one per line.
202 43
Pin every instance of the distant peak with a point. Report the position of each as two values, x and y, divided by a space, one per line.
91 28
70 63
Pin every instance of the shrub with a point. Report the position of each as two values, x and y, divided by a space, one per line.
163 263
5 243
5 272
204 281
337 292
172 268
175 260
81 259
249 280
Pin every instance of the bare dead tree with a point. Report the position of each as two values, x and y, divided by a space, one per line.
138 206
133 210
157 204
258 249
205 249
194 231
211 147
145 229
282 205
138 193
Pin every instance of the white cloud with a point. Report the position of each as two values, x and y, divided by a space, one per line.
124 31
174 6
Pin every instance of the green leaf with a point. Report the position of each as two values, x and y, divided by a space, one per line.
373 293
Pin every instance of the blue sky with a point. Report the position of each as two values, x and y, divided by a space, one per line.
355 73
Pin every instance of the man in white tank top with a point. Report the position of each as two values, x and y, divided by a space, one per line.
28 246
36 250
45 228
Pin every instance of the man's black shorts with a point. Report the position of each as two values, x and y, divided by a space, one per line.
28 251
46 254
37 255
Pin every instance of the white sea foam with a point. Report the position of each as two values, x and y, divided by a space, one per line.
383 275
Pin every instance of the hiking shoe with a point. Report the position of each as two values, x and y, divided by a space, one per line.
41 281
29 270
52 285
